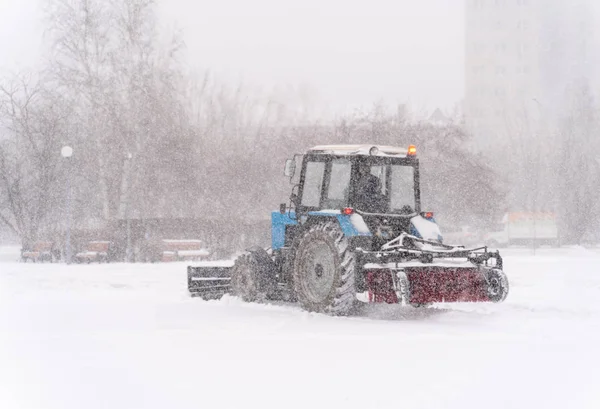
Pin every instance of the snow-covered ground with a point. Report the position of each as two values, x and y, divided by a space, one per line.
128 336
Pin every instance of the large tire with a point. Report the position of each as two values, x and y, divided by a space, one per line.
324 277
253 276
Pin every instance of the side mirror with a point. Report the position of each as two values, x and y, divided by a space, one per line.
295 200
290 168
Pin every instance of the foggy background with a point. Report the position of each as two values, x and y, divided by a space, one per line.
209 98
347 53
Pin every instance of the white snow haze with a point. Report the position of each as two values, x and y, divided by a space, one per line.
435 246
350 53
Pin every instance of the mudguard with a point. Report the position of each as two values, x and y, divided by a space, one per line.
352 225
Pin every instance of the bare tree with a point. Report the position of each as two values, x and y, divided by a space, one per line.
33 122
84 45
126 87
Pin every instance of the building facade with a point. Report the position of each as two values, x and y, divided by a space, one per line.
522 59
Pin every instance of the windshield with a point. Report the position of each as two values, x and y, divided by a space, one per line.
385 189
402 188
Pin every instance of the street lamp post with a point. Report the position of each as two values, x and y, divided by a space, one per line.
536 178
66 152
128 158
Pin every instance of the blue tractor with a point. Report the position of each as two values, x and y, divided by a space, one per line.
353 232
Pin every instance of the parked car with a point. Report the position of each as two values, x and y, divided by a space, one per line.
461 235
524 228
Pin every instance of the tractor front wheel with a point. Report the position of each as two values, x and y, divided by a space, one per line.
253 276
323 271
497 285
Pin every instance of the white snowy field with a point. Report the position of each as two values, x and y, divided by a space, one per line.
129 336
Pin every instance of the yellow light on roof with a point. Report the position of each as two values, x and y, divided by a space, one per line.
412 150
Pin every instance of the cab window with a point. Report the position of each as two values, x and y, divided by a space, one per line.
313 183
339 183
403 187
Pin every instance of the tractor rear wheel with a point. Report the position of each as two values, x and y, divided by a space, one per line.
324 278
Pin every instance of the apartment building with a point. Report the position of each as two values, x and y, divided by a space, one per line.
522 59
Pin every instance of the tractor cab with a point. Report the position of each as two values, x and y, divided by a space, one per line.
379 183
369 179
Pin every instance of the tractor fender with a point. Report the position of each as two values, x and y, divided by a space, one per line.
352 225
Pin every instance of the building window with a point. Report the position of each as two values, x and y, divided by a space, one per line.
522 91
522 50
478 70
475 112
478 48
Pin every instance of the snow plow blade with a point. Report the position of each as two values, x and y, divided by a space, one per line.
422 277
209 282
432 284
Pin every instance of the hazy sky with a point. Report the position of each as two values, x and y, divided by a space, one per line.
350 52
20 33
